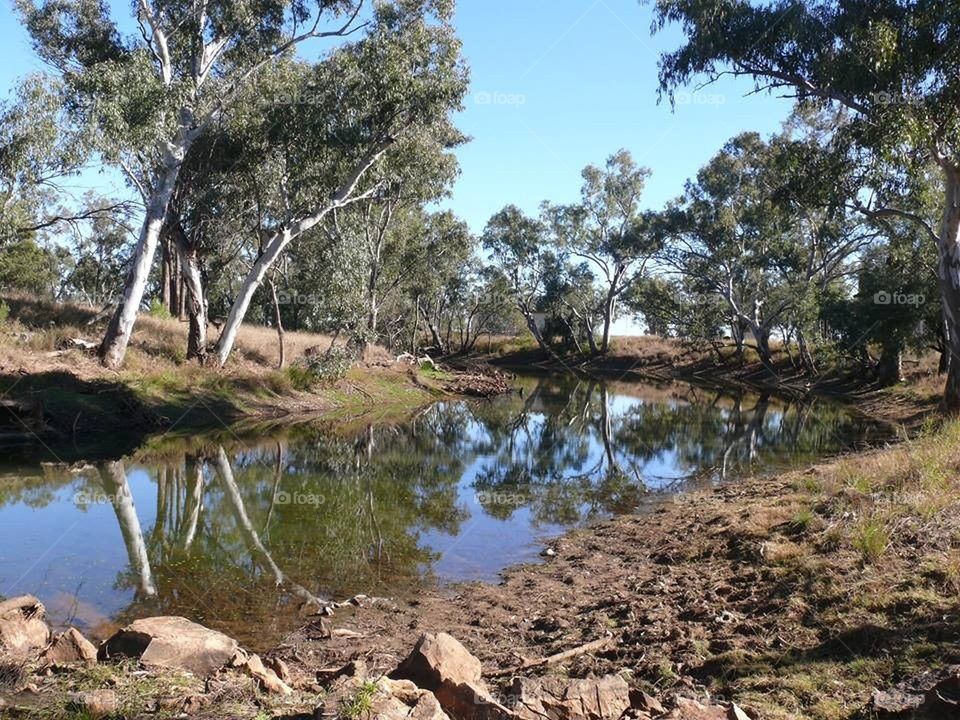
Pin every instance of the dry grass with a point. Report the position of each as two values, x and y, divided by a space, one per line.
44 328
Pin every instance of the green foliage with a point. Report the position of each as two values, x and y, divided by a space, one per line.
27 267
158 310
360 702
321 369
871 538
4 311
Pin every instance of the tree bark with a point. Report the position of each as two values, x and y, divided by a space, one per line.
279 322
949 272
762 337
279 242
114 346
890 366
806 358
196 304
434 332
114 478
609 308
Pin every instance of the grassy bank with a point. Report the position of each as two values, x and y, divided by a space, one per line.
60 403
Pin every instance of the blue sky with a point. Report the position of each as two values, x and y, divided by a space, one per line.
556 85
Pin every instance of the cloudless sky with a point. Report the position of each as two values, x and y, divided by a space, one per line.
555 85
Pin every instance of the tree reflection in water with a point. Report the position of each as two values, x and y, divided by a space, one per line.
245 532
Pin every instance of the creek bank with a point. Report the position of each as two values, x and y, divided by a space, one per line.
822 593
62 416
438 680
813 594
666 361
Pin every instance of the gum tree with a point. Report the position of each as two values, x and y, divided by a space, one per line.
404 76
151 97
606 229
891 65
519 246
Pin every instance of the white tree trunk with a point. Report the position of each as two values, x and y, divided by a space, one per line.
115 341
115 480
278 243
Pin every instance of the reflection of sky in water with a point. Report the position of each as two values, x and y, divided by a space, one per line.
75 558
70 555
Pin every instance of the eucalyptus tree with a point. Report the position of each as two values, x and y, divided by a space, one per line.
724 238
446 248
606 229
891 65
403 77
151 97
519 246
574 303
38 148
388 226
99 248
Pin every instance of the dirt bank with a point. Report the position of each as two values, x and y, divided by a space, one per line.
796 596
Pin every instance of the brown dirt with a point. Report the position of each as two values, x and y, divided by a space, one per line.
757 591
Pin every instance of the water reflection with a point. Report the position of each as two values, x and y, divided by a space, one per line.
244 530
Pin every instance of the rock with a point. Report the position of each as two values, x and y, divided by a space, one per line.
266 678
438 659
931 693
70 647
735 712
96 703
23 630
648 703
173 643
440 664
561 699
280 668
383 700
692 710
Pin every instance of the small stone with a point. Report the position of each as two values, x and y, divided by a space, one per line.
174 643
648 703
68 647
267 679
561 699
440 664
96 703
23 630
280 668
549 552
693 710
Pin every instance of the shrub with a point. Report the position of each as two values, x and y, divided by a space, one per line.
320 369
4 311
871 538
159 310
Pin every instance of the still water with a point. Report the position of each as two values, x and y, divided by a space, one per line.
240 529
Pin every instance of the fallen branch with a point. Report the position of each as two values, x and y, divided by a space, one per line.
592 646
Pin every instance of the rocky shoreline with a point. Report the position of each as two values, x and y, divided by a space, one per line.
438 680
